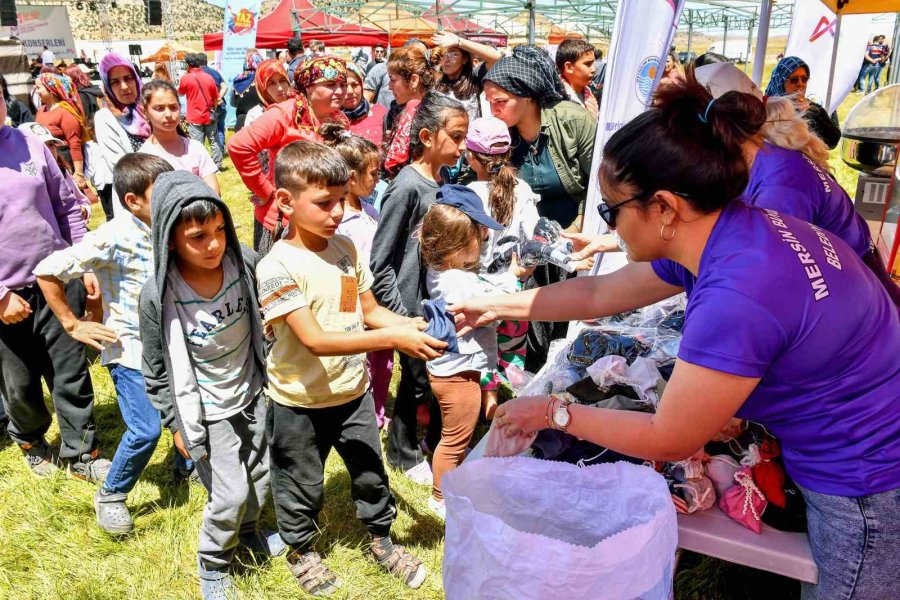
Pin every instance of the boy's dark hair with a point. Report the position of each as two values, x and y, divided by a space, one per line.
433 113
598 54
199 211
135 172
202 58
301 164
295 46
570 51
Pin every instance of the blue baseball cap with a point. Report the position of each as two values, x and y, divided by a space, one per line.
465 199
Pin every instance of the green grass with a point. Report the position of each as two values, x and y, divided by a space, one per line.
51 548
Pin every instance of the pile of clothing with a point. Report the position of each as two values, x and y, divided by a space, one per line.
624 363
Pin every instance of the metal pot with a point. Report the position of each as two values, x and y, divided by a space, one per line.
872 150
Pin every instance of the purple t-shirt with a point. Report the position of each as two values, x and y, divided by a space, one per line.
786 301
789 182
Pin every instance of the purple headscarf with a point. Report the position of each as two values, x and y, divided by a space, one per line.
132 118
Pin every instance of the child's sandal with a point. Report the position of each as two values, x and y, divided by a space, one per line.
312 575
401 563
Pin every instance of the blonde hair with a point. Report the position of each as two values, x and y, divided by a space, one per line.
786 128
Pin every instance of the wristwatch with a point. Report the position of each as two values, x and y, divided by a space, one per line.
561 417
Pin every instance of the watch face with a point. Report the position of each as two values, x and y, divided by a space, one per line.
561 417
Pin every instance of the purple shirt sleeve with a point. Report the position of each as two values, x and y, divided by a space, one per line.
64 202
753 342
669 271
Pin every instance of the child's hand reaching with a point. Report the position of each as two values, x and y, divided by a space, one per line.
411 339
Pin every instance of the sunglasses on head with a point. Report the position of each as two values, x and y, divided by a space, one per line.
609 212
798 80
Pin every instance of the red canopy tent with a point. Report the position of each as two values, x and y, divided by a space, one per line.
276 28
466 28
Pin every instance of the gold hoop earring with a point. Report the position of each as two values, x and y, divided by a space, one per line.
662 234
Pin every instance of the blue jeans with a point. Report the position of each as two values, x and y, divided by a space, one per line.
864 73
855 543
142 429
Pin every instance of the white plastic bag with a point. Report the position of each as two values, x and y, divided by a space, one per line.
522 528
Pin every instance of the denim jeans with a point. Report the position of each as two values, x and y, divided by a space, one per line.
221 115
142 430
201 133
855 543
863 75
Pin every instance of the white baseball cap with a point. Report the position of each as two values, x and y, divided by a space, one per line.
41 132
720 78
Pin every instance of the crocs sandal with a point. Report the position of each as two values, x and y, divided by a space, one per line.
400 563
112 514
312 575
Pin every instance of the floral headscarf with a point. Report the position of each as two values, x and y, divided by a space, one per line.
353 68
361 110
318 69
62 88
782 72
132 118
266 70
243 81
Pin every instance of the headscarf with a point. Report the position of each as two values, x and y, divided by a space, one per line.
361 110
265 71
782 72
528 72
132 118
243 81
62 88
318 69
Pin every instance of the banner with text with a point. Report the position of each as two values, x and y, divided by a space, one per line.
41 26
241 20
641 38
812 39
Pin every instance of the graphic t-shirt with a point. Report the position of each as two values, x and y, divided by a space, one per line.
217 334
329 283
788 302
789 182
194 158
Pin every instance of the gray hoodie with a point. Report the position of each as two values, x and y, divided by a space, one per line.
171 384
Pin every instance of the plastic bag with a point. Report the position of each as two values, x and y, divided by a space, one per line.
521 528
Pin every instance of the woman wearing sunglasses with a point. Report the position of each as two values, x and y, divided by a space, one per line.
790 78
780 319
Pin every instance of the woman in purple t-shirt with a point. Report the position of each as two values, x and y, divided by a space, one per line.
784 325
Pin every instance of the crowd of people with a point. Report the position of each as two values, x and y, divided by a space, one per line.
381 196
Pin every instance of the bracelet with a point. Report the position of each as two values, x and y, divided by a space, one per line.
549 411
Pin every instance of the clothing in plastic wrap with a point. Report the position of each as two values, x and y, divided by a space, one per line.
593 344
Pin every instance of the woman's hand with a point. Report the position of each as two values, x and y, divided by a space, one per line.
586 245
445 39
471 314
522 416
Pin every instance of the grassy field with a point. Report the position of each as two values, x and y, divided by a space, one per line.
50 547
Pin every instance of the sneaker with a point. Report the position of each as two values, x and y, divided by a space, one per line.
112 514
190 475
421 474
216 585
437 508
399 562
40 458
311 573
264 542
90 468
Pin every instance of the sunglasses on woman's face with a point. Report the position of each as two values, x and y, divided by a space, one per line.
608 212
798 80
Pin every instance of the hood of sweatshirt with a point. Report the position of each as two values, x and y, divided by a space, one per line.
172 192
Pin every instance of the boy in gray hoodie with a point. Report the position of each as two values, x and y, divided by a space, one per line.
204 366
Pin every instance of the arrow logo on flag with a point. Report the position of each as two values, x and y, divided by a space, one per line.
824 26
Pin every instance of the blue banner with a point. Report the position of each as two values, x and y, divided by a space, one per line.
239 35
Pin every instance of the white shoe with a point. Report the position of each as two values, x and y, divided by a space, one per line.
421 474
437 507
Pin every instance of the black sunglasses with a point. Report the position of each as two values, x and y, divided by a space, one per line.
609 212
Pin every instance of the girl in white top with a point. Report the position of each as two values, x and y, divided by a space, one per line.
512 203
359 223
163 111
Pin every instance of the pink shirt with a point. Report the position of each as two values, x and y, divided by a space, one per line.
194 158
